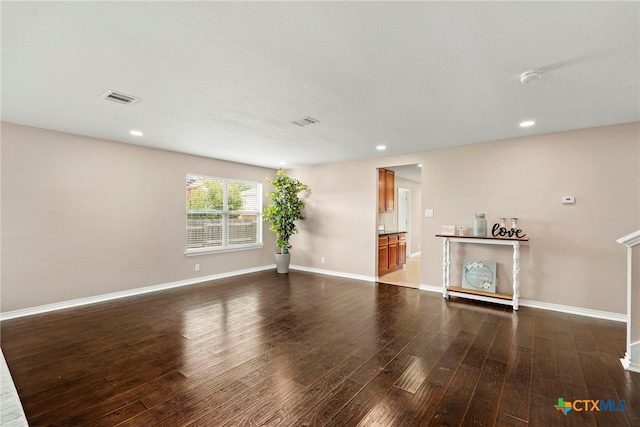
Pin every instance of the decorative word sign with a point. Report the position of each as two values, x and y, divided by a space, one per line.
498 231
479 275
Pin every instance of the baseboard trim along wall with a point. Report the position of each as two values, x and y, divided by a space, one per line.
154 288
124 294
606 315
334 273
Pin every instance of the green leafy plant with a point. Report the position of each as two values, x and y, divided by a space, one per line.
285 208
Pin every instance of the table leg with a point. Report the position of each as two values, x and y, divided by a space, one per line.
516 274
446 262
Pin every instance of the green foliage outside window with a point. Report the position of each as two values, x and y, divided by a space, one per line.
209 196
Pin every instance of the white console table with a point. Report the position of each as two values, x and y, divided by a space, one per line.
448 290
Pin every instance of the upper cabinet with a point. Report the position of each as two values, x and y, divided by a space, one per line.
386 190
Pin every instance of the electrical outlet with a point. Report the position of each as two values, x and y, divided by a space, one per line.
322 260
197 268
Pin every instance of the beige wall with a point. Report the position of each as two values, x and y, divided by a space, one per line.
338 226
342 213
572 258
84 217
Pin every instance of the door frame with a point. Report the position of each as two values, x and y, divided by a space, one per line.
404 206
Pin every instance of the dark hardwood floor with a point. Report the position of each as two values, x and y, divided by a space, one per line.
302 349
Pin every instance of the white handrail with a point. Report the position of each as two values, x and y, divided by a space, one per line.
630 240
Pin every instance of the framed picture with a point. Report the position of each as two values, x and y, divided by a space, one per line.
479 275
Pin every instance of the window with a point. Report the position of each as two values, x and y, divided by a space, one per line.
222 214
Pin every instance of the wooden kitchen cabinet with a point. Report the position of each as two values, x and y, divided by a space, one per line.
391 189
382 190
383 255
386 190
392 252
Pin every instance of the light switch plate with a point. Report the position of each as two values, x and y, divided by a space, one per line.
428 213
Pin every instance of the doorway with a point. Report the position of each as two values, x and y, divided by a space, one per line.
406 219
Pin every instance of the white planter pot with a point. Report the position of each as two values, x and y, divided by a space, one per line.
282 263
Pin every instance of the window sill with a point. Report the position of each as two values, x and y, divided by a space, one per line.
208 251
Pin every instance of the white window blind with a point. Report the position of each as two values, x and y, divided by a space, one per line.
222 214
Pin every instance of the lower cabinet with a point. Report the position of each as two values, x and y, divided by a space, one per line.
383 255
392 252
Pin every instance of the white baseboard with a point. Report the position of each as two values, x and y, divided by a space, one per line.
431 288
606 315
334 273
123 294
598 314
154 288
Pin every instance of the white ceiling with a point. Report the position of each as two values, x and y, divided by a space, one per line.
226 79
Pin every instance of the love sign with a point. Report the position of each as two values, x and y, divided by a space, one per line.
498 231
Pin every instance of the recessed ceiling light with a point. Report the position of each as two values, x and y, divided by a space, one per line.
381 147
283 163
527 123
136 133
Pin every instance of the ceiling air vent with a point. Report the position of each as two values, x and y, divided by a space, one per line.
119 97
305 121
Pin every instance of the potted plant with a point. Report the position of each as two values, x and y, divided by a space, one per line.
282 213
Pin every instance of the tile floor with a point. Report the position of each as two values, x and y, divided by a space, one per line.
408 276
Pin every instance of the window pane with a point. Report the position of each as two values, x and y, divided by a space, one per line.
243 229
204 193
204 230
243 196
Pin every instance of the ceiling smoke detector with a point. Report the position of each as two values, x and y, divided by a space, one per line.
529 76
119 97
